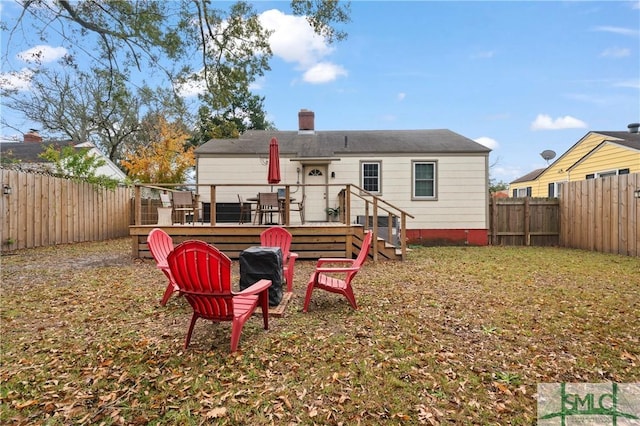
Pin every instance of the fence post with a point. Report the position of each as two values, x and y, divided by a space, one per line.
527 220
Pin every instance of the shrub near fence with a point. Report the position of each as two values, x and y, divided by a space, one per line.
44 210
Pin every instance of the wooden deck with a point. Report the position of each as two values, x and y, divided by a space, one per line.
310 241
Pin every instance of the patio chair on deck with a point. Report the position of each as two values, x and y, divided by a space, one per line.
324 276
268 203
166 201
299 207
245 210
184 202
280 237
203 275
160 245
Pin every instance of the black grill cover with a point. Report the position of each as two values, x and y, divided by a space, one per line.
258 263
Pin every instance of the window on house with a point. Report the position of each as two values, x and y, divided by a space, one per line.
522 192
608 173
424 179
370 176
554 189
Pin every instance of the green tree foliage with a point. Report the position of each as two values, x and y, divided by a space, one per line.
245 112
231 46
79 164
171 44
497 186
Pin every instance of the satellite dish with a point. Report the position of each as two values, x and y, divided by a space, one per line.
547 154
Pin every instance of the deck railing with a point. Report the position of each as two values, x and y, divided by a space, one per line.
355 205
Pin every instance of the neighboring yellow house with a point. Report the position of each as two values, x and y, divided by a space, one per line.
597 154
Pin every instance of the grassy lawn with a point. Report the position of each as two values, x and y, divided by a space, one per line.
458 335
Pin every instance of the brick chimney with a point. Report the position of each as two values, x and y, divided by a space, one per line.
306 121
32 136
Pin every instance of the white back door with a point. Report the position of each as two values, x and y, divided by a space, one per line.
316 201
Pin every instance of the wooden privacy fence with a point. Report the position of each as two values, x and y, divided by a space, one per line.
42 210
524 221
596 214
602 214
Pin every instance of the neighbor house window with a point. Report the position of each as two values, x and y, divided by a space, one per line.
370 176
424 179
607 173
522 192
613 173
554 189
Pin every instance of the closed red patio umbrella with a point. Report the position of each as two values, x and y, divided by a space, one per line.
273 176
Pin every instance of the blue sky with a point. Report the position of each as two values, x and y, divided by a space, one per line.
519 77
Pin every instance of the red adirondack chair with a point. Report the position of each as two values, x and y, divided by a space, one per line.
160 245
277 236
326 278
203 275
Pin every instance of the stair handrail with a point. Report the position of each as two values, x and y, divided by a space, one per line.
375 201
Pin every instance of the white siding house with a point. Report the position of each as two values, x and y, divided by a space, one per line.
438 176
26 155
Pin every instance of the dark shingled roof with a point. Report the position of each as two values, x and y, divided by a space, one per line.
631 140
321 144
28 152
530 176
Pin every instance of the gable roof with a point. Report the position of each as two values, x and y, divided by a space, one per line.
27 155
314 144
630 140
530 176
29 152
625 139
595 149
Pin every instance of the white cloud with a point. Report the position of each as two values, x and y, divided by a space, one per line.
488 142
487 54
16 80
633 84
507 174
258 84
401 96
618 30
545 122
191 88
616 52
323 73
42 54
294 41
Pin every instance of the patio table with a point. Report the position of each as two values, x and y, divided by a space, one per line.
282 201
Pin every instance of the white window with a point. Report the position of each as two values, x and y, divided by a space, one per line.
607 173
554 189
424 180
370 176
